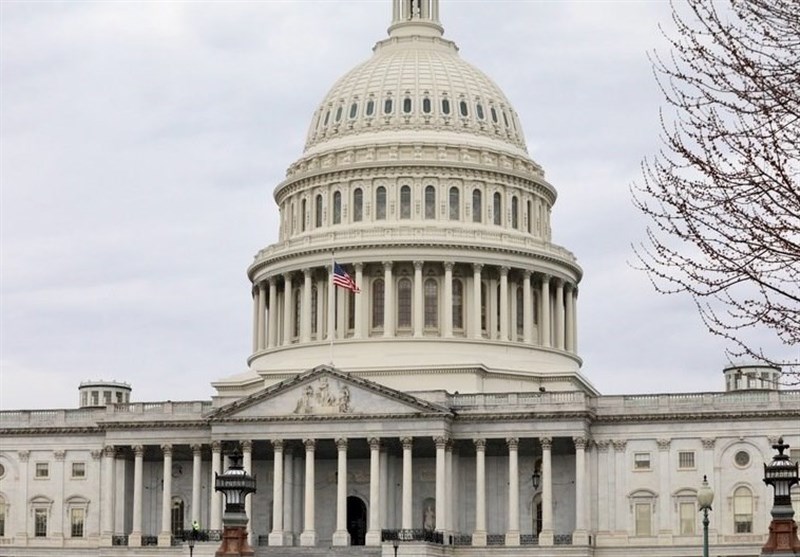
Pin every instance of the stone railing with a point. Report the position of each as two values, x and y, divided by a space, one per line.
567 400
694 402
139 411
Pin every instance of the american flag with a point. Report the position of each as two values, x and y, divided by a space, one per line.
341 278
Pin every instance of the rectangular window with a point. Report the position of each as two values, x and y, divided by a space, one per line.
2 520
686 460
78 469
76 518
642 516
641 461
42 470
107 397
688 519
40 523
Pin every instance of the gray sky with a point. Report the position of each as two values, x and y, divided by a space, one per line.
141 142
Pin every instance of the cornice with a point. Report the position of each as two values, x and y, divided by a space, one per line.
53 430
740 415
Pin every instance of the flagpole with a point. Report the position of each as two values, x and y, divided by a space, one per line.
331 307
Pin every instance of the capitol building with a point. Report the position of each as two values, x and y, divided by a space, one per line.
429 390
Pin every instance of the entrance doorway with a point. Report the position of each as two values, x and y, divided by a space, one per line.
356 520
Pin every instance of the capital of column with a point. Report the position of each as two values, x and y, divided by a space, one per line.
109 450
418 265
247 446
504 271
310 445
307 272
580 442
138 450
262 285
546 443
166 448
480 444
272 280
387 265
277 445
374 443
287 279
513 443
545 278
448 265
602 445
709 443
477 267
341 444
408 443
216 447
526 273
663 444
59 455
441 442
196 449
96 454
619 446
358 267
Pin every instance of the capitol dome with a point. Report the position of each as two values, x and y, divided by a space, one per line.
415 180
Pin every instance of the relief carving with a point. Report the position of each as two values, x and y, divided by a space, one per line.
321 400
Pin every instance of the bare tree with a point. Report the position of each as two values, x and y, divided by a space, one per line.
723 194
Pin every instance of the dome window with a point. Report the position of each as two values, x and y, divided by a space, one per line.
407 105
318 211
303 212
353 110
370 107
463 108
337 207
338 113
479 111
476 206
404 301
327 118
530 216
514 212
426 105
405 202
387 106
431 303
498 209
493 112
446 107
430 202
455 204
377 304
358 204
505 118
380 203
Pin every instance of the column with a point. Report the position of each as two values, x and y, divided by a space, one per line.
215 522
569 325
384 490
262 310
305 310
527 310
288 496
247 464
419 305
544 323
479 535
165 537
619 483
309 535
559 316
341 536
196 472
375 499
359 306
341 311
580 536
575 318
254 293
449 507
603 503
331 306
476 300
546 536
441 478
288 314
107 513
512 535
503 303
276 537
447 318
406 523
664 526
57 473
272 328
135 537
388 300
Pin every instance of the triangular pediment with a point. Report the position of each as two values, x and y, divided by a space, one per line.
326 392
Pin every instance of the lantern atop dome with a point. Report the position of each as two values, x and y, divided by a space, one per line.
415 17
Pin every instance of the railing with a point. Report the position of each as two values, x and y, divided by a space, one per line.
562 539
495 539
528 539
149 541
262 540
119 540
682 402
462 539
511 400
415 535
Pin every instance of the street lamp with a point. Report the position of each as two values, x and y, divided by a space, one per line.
781 474
192 540
536 478
395 545
705 496
235 484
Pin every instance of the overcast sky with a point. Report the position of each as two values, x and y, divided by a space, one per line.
141 142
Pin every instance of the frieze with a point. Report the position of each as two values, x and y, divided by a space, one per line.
322 399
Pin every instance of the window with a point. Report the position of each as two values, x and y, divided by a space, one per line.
95 398
742 511
686 460
77 517
404 303
484 325
687 517
407 105
476 206
351 310
642 515
455 204
370 107
446 107
337 207
387 106
2 517
380 203
742 458
106 397
430 202
479 111
463 108
327 118
296 297
303 212
641 461
42 470
514 213
377 304
176 517
458 304
314 304
520 311
505 119
530 216
426 105
338 113
431 303
498 209
358 205
2 470
405 202
40 523
318 211
78 469
353 110
493 112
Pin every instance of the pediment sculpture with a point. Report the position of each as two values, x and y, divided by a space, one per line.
319 398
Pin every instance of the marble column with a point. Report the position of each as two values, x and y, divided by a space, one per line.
544 324
407 484
559 317
575 319
262 314
341 536
197 471
440 488
664 529
375 499
272 327
107 512
527 310
479 535
309 535
305 310
569 315
388 300
512 535
135 537
255 292
546 535
288 313
247 464
447 318
215 521
276 537
331 299
449 506
384 493
165 536
476 300
288 495
619 492
602 486
580 536
419 303
503 303
320 317
359 305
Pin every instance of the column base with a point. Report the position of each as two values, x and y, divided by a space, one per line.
479 539
165 539
308 538
546 537
512 538
373 537
341 537
135 539
280 538
580 537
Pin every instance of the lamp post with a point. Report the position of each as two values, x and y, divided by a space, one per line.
395 545
536 478
235 484
781 474
192 540
705 496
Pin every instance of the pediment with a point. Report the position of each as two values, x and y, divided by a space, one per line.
326 392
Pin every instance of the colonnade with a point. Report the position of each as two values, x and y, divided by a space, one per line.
471 300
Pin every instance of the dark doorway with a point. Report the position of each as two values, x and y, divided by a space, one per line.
356 520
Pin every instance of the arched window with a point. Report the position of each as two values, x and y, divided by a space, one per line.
405 202
337 207
494 114
431 303
498 209
446 107
176 516
514 213
358 204
463 108
477 209
327 118
484 322
296 317
404 303
303 212
314 305
370 107
3 517
377 304
458 304
530 216
479 111
351 310
407 105
353 110
339 113
505 118
380 203
430 202
520 311
318 211
387 106
742 511
455 204
426 105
